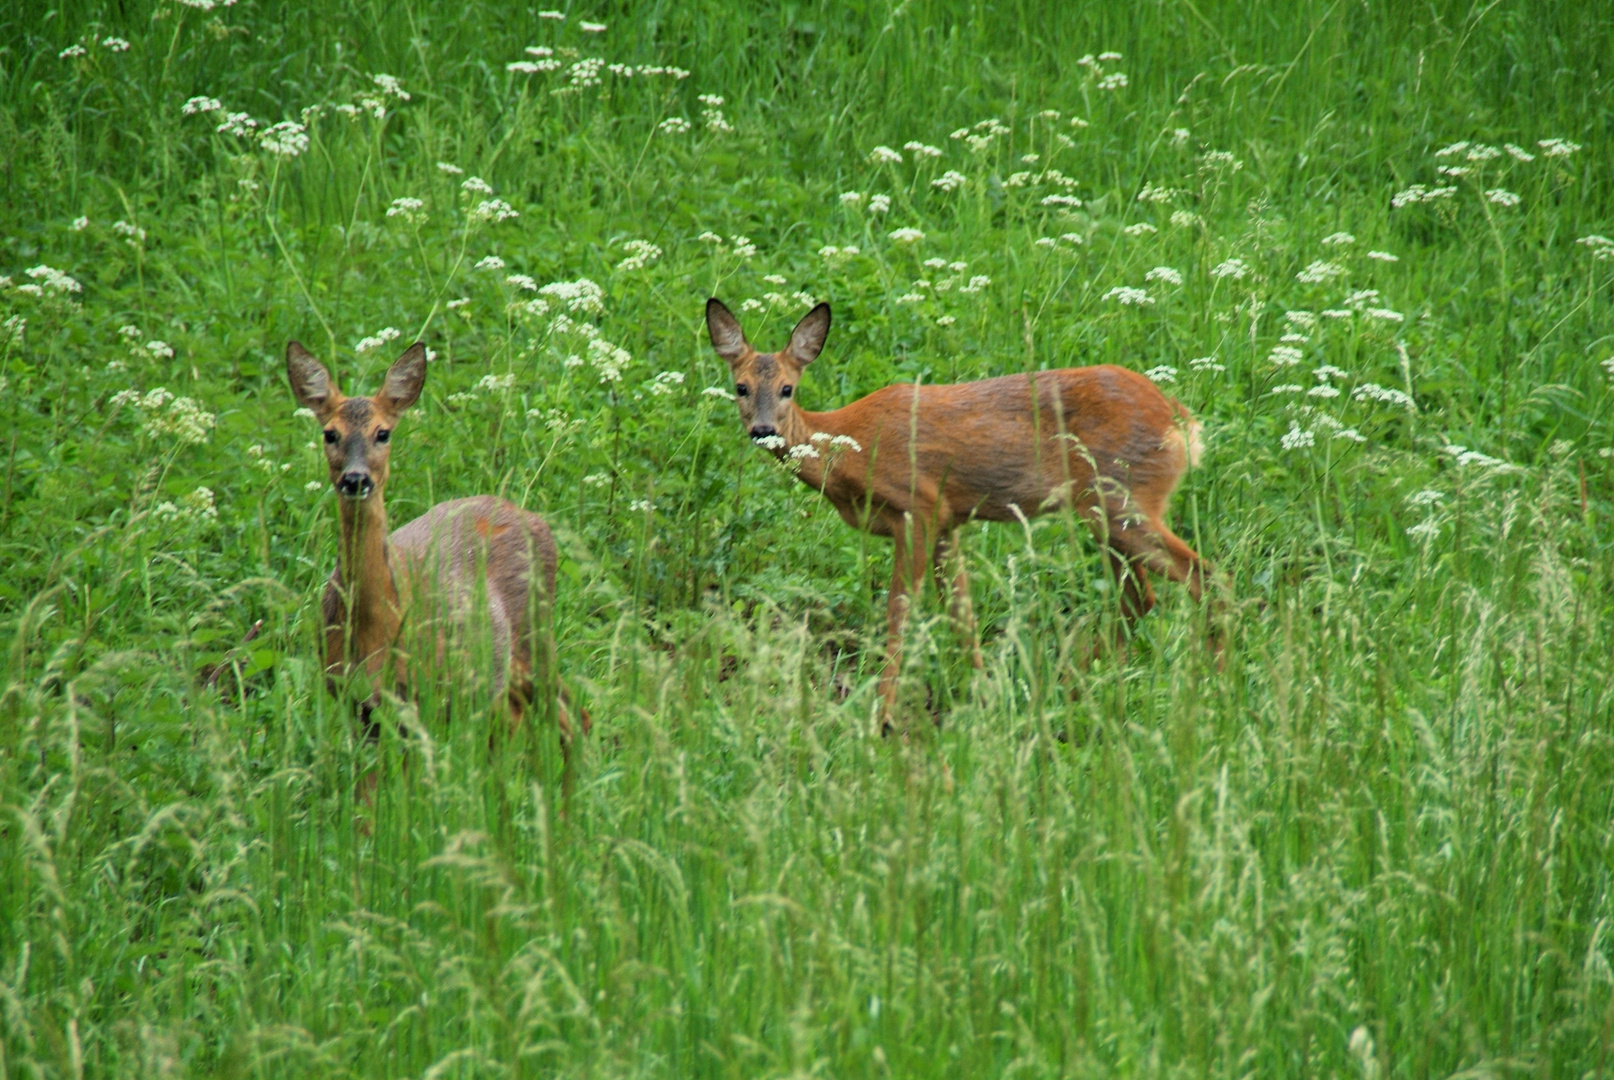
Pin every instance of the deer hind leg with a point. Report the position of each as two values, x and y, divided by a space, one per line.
952 580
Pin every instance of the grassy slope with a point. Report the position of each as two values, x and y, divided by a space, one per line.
1377 844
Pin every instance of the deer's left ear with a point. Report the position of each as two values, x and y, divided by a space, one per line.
405 378
807 339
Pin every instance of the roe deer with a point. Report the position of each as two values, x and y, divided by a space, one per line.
427 572
916 462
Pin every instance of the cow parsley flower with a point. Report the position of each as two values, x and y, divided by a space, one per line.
884 155
879 204
1296 438
919 149
378 339
522 281
743 247
475 185
450 168
1502 197
494 210
389 85
851 198
1164 273
1066 200
71 51
1384 315
201 105
591 27
1206 363
674 125
408 208
1319 272
1113 81
951 180
641 253
1185 219
52 280
1383 256
1518 153
490 262
1384 394
1285 355
1142 228
1161 374
1129 296
581 295
906 235
1557 147
1334 239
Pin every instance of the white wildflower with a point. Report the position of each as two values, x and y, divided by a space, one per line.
1333 239
851 198
1072 238
1185 219
1329 371
313 485
490 262
1285 355
906 235
591 27
494 210
976 284
1323 391
1113 81
1142 228
674 125
951 180
946 320
389 85
1046 241
1518 153
239 124
1350 433
719 392
521 281
1384 314
1502 197
771 442
408 208
201 105
476 186
1067 201
710 238
1152 194
1296 438
1319 272
1557 147
581 295
743 247
1164 273
1206 363
879 204
1129 296
1161 374
450 168
71 51
641 253
161 349
919 149
378 339
1386 395
1383 256
53 280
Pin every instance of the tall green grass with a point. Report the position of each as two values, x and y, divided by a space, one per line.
1375 842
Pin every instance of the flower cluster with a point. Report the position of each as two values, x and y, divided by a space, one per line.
165 416
641 253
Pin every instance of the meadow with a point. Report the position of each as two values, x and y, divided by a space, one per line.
1365 243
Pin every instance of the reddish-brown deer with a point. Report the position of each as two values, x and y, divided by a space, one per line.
480 560
915 462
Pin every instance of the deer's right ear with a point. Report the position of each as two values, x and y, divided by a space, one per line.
310 382
807 339
727 337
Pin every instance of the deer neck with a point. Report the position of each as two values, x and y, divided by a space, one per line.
367 574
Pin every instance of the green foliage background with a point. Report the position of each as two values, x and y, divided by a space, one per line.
1376 843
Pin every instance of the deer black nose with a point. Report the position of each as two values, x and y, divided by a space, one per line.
355 485
762 431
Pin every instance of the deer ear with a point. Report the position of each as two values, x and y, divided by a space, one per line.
404 380
310 382
727 337
807 339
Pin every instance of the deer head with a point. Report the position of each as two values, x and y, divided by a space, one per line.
765 383
358 430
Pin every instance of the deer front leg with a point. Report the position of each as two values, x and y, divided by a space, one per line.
949 560
907 572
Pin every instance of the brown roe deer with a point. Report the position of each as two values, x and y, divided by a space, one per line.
915 462
427 572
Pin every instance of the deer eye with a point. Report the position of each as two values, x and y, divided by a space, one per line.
785 391
742 390
383 435
330 436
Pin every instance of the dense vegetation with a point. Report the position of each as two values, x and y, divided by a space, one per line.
1362 242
